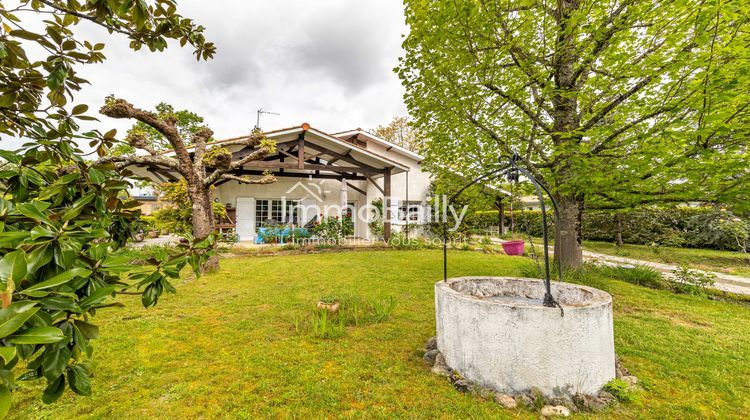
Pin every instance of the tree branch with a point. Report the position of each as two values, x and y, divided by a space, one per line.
86 17
520 105
615 102
200 139
121 162
266 179
120 108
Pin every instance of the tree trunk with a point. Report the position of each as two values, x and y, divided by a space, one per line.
500 214
618 228
568 249
203 220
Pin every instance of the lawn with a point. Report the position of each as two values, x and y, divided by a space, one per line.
224 346
705 259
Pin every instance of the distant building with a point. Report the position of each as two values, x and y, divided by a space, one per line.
147 203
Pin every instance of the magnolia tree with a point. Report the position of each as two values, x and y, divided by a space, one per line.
609 103
63 219
201 165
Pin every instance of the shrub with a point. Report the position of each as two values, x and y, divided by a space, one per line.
621 390
333 227
696 227
376 222
177 216
640 275
690 282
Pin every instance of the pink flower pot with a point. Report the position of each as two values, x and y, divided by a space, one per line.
513 247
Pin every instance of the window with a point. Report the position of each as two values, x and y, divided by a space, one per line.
268 212
292 210
412 208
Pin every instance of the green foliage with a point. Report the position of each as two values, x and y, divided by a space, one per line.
697 227
62 221
187 123
334 228
376 220
61 236
398 240
621 390
640 275
610 104
36 87
352 311
177 217
690 282
400 131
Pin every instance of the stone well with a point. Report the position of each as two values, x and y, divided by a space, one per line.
495 332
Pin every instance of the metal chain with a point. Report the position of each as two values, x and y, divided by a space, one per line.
534 256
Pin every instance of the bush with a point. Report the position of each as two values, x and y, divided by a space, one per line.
690 282
621 390
640 275
696 227
333 227
177 216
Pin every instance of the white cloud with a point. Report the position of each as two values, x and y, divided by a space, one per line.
326 62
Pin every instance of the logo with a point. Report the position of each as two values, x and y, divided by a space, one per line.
312 190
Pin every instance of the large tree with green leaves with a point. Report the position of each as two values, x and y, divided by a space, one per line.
62 219
609 103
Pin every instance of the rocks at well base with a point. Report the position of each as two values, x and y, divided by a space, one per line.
557 406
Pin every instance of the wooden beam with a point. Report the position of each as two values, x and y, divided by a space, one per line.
311 166
346 157
156 173
298 175
289 154
387 204
372 181
355 188
301 150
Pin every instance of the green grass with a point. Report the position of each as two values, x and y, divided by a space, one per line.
706 259
225 346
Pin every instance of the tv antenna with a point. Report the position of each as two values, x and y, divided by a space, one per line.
259 113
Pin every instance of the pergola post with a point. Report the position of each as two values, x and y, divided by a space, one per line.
387 204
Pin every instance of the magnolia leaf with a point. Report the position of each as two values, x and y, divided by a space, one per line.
38 335
59 279
5 401
7 354
15 316
13 269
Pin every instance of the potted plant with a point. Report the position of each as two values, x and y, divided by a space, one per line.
515 245
329 303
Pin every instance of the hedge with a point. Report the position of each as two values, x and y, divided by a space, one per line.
696 227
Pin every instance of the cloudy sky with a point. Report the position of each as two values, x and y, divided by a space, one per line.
326 62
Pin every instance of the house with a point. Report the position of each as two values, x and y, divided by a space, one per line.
324 174
147 200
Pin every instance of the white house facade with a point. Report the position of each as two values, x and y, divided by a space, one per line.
323 174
